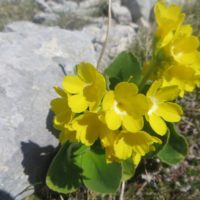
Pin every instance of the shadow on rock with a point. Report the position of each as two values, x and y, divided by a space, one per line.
49 124
36 160
5 195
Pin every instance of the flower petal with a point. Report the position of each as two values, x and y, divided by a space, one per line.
125 90
154 87
77 103
73 84
108 100
170 112
167 93
59 105
136 158
67 134
157 124
60 91
133 124
88 128
86 72
140 142
121 149
61 119
113 120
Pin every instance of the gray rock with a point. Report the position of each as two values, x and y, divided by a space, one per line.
139 8
29 68
121 14
120 38
45 18
143 8
68 6
90 3
42 4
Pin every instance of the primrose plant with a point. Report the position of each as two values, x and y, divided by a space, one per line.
107 125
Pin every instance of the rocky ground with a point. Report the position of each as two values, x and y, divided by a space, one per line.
40 42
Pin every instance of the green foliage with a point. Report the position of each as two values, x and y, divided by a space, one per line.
175 149
124 68
75 164
64 175
100 176
128 169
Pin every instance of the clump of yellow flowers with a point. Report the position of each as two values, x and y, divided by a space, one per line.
176 56
87 111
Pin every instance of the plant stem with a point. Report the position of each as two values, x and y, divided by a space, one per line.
107 33
122 191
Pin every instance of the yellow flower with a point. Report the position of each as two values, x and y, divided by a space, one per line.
168 18
161 109
107 141
86 89
60 107
67 134
89 128
124 106
184 49
186 78
182 65
176 54
134 145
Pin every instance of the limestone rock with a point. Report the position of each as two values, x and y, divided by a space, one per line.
119 38
29 68
121 14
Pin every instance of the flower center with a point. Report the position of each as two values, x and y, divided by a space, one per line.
118 108
154 105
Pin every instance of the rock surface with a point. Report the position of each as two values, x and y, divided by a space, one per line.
119 38
29 68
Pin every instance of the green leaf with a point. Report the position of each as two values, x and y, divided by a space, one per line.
98 175
175 149
128 169
124 68
64 174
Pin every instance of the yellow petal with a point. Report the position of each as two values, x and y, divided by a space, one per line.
77 103
167 93
186 45
113 120
108 138
66 134
154 87
168 15
60 91
73 84
132 124
170 112
95 91
157 124
125 90
136 158
121 149
108 100
138 105
59 105
186 30
86 72
140 141
61 119
166 39
89 128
